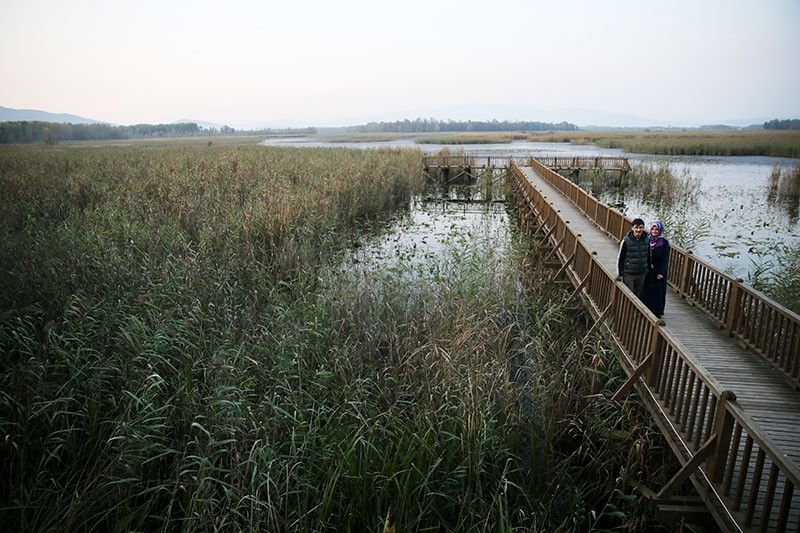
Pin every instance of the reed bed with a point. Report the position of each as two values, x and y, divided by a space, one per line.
784 143
780 277
784 187
183 350
473 138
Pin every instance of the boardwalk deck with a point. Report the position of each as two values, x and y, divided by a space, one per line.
760 390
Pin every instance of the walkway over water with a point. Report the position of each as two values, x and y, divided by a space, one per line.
719 373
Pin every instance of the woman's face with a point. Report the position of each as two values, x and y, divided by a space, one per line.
654 231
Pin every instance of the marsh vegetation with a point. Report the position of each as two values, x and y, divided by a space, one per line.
198 338
773 143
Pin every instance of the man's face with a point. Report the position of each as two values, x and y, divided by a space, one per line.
638 229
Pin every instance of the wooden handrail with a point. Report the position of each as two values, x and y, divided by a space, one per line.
464 161
580 163
720 447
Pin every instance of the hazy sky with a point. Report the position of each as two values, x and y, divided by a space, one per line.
324 62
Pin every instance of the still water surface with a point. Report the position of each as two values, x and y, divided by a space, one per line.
745 228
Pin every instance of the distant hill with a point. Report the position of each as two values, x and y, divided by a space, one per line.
8 114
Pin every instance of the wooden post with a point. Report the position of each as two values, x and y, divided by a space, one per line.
657 352
689 468
723 429
625 388
683 285
734 309
564 267
578 289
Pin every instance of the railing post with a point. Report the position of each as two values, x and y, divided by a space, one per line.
734 308
723 429
657 353
683 285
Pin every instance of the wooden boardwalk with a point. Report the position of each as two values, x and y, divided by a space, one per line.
767 405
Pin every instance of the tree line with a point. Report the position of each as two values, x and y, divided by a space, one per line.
24 131
425 125
790 124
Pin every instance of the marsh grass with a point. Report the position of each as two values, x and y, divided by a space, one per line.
727 143
182 350
473 138
784 191
779 277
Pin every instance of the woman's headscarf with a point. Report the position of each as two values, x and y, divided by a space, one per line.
658 240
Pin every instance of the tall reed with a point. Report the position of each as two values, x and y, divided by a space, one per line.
779 278
772 143
784 191
185 346
139 286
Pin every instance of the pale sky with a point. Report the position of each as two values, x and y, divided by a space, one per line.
322 62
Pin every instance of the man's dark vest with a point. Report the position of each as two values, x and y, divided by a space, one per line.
637 255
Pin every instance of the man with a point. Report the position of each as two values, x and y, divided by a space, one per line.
634 257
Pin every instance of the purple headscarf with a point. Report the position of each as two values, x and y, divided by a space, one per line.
658 240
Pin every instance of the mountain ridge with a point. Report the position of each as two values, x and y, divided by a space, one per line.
8 114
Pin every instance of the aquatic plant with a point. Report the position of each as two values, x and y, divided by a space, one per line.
187 344
784 191
779 277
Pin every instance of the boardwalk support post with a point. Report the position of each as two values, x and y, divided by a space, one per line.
690 467
554 250
597 322
625 388
563 267
579 288
542 243
569 260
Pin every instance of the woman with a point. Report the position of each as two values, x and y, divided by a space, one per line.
654 292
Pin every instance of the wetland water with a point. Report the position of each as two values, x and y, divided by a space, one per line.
430 241
740 227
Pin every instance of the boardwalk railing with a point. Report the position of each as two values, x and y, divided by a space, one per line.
465 161
742 476
566 163
758 322
586 163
